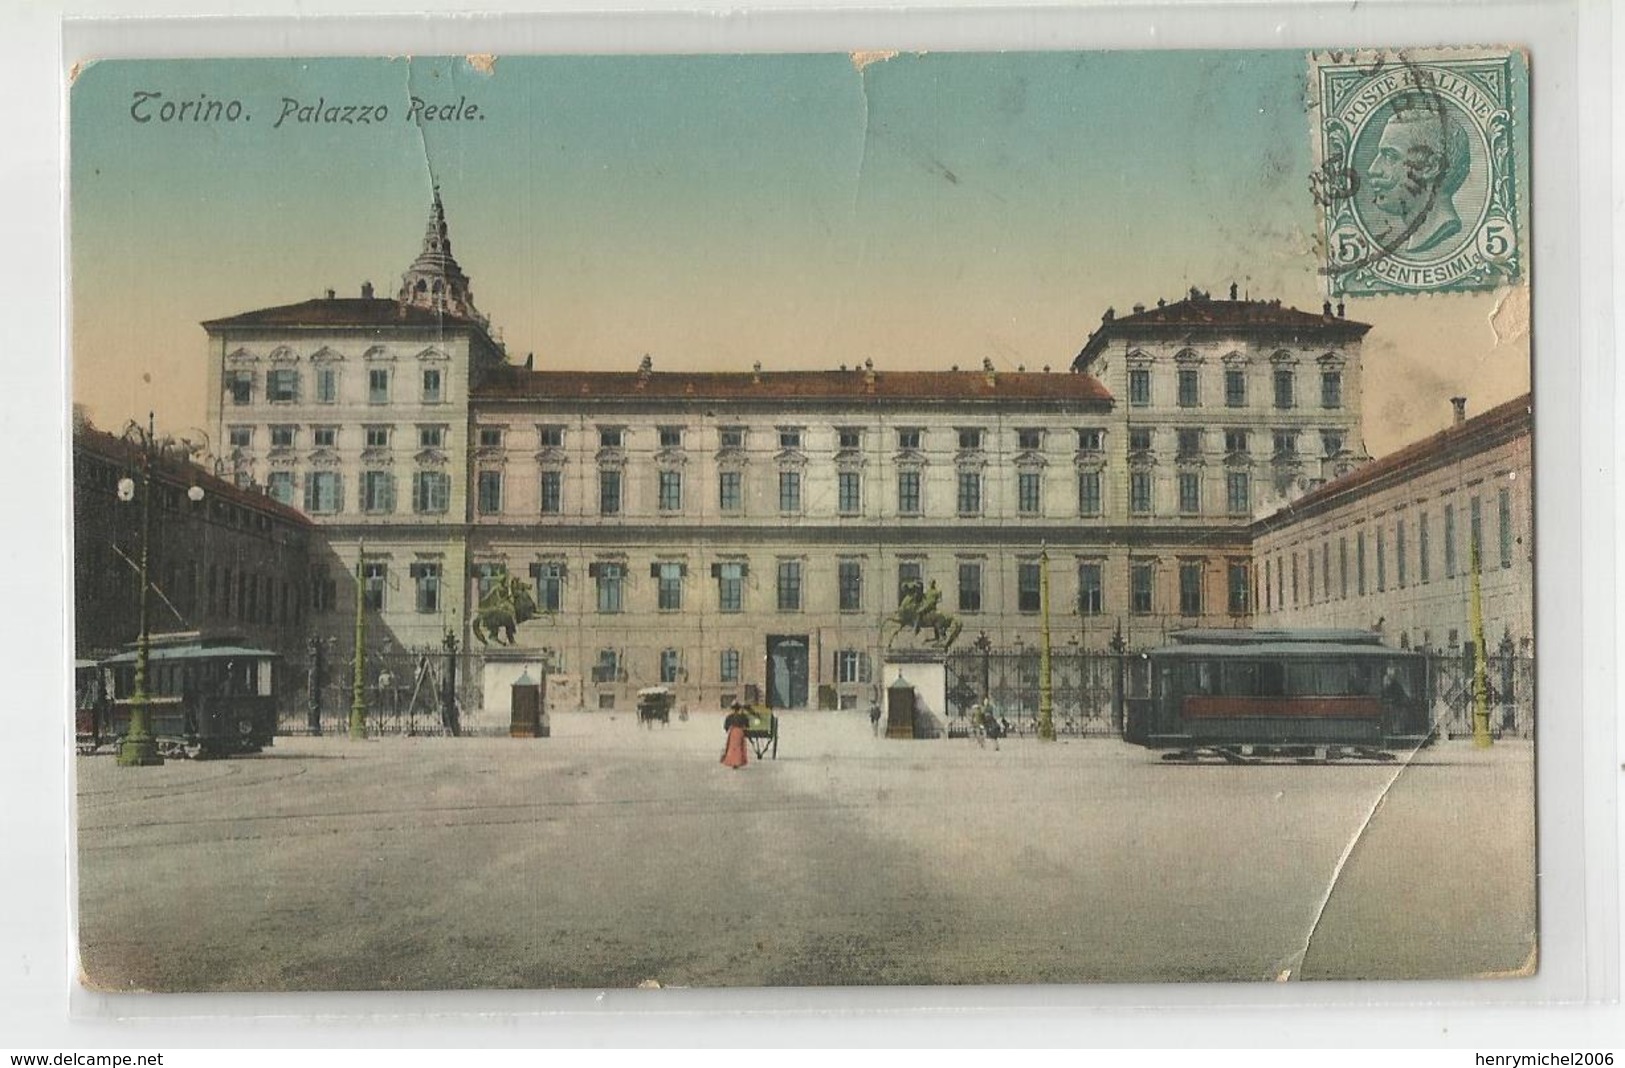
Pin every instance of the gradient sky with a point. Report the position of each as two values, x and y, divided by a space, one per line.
713 211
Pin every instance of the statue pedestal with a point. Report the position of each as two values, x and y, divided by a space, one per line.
924 672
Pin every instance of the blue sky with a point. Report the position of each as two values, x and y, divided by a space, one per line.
717 210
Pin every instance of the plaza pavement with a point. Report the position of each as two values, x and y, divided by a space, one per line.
611 855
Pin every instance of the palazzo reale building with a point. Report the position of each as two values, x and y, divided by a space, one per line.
721 529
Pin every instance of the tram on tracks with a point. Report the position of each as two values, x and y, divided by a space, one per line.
205 697
1248 695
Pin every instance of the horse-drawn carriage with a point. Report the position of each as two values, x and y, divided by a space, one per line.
762 732
654 703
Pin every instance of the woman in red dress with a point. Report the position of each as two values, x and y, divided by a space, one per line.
733 754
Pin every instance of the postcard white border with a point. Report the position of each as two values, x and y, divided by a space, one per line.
1578 757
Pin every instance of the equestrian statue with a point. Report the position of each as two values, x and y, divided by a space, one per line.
919 611
508 604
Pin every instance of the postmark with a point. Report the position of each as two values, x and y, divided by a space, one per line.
1416 169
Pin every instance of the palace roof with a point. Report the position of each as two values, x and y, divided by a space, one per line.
848 386
1200 316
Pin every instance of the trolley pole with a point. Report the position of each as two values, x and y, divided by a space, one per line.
1046 691
358 687
1481 688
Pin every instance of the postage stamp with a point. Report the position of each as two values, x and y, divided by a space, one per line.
1416 168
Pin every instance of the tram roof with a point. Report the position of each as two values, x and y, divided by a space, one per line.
194 651
1306 642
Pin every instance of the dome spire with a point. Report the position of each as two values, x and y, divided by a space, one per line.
435 281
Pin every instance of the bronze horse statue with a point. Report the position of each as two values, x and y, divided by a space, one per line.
918 611
508 604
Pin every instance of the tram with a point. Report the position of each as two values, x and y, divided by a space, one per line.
205 697
1278 692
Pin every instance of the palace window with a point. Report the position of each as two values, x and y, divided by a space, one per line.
1189 387
730 586
730 494
733 437
1331 442
240 384
970 493
282 386
1139 492
550 437
1091 589
377 492
240 437
849 492
1449 541
490 437
909 573
431 386
1505 510
1190 588
548 580
908 439
728 666
789 586
374 580
609 492
1139 439
849 574
1283 388
1139 387
671 437
849 438
671 491
378 385
851 666
327 385
789 438
671 662
1029 492
1240 585
489 492
970 587
790 491
431 437
1029 439
377 437
1140 576
1090 439
669 590
1089 493
1190 492
610 579
324 492
1331 389
1029 577
280 487
970 440
426 577
431 492
1189 443
1235 388
908 492
324 437
1424 565
282 436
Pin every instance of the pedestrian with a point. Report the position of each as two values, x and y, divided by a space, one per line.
733 751
874 718
990 727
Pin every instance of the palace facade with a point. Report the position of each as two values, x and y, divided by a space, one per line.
712 531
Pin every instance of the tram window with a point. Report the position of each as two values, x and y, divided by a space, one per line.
264 667
1240 679
1200 678
1301 680
1359 676
1139 678
1398 682
1272 679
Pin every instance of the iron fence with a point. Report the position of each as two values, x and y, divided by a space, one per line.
405 693
1080 688
1509 691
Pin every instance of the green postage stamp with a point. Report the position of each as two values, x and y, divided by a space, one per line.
1417 168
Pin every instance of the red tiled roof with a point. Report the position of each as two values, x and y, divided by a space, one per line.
342 311
856 386
1202 314
117 450
1502 421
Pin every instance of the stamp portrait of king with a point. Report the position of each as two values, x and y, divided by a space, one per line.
1417 171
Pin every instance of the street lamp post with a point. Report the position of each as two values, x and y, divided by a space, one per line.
358 687
1046 689
140 748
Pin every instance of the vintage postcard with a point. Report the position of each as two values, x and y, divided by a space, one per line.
785 520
